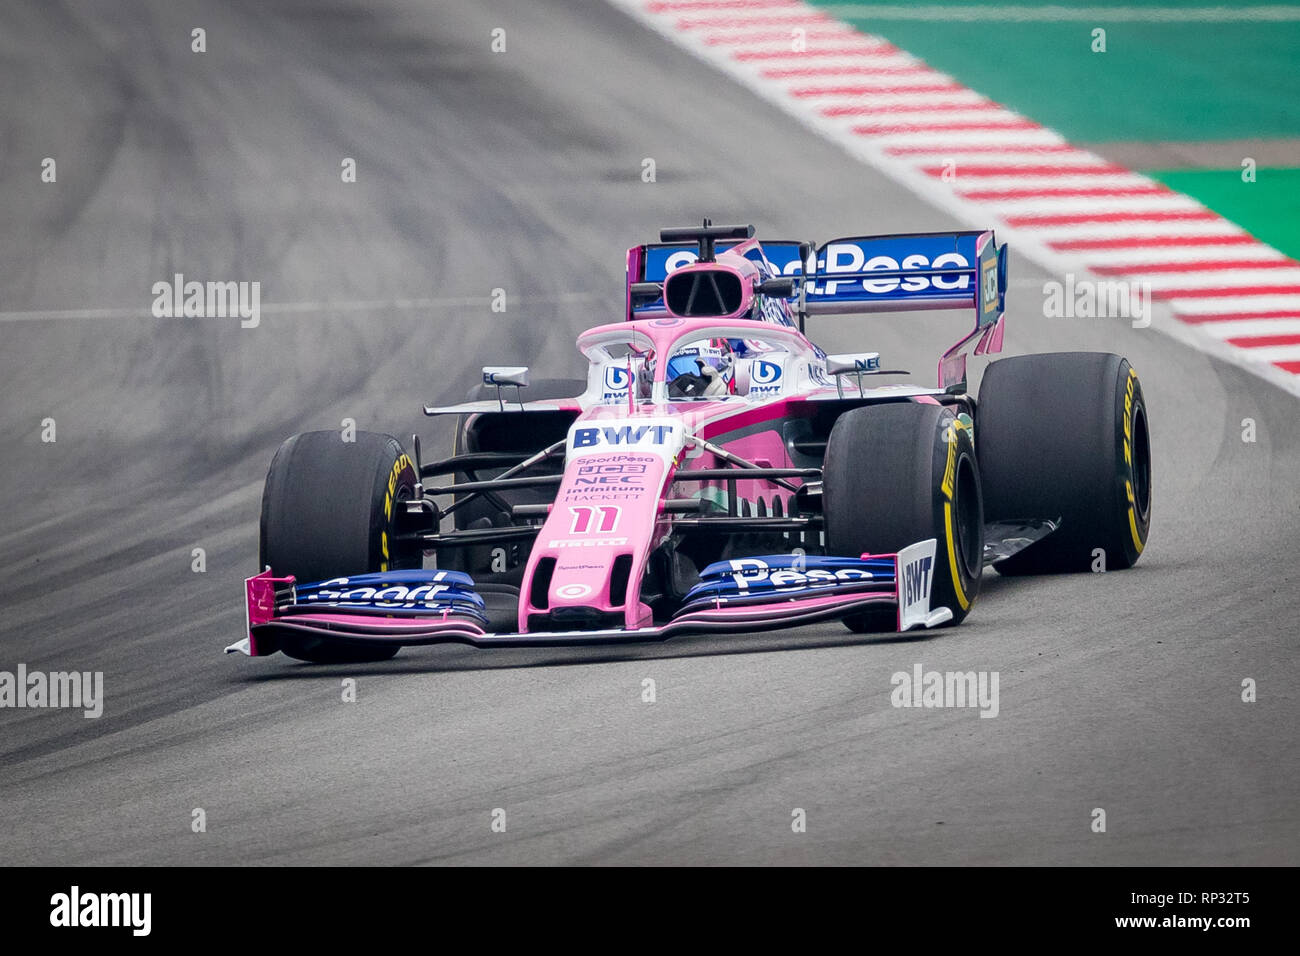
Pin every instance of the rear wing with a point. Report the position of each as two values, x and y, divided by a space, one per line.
867 274
859 274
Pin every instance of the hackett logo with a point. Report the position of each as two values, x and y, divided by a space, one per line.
75 909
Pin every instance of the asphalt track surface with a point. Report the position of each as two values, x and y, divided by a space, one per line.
521 171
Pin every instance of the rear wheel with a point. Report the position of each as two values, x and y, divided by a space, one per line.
329 509
901 473
1065 435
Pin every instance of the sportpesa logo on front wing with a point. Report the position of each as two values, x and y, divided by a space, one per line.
749 573
422 589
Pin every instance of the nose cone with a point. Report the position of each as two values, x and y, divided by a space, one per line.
585 569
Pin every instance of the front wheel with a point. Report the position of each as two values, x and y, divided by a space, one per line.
329 510
901 473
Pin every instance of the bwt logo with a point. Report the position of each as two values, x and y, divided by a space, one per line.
624 435
617 378
765 373
916 580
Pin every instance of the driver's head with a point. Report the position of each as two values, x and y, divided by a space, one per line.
701 369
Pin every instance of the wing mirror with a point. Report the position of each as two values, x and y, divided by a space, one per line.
777 288
643 293
849 363
499 375
852 363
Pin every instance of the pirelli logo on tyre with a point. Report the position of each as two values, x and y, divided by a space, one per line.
950 469
390 492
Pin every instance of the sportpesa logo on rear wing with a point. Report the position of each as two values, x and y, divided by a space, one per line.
867 273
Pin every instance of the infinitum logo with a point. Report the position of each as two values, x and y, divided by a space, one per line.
102 909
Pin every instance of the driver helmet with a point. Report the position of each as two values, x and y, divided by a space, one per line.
703 369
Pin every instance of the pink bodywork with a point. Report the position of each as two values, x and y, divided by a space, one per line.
585 537
259 591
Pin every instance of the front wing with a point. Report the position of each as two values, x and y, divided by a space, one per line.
900 581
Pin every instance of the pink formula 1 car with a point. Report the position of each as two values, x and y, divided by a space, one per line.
717 472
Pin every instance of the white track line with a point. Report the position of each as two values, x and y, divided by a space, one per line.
1251 327
1101 230
1244 279
1204 305
299 308
1135 259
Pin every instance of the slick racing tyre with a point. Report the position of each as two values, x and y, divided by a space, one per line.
901 473
329 509
1065 436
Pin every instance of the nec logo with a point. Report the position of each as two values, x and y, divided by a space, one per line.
617 379
765 373
916 580
609 480
622 435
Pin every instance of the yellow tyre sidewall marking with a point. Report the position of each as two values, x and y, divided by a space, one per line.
949 487
402 462
1129 393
